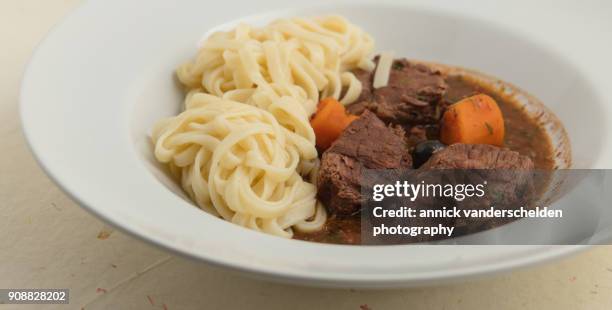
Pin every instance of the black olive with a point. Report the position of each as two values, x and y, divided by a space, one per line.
423 151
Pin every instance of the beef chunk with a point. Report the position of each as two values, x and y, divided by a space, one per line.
367 143
412 95
508 175
338 184
477 156
372 143
400 131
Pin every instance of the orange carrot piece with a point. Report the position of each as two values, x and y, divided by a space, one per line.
473 120
329 122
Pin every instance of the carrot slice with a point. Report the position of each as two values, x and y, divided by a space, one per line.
473 120
329 122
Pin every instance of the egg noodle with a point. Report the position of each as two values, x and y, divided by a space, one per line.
243 148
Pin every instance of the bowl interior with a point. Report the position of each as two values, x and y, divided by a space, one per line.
431 37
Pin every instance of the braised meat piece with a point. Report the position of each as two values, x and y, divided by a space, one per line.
477 156
412 95
509 178
367 143
338 184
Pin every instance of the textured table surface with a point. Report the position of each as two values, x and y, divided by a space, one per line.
48 241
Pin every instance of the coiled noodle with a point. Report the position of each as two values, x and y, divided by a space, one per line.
243 148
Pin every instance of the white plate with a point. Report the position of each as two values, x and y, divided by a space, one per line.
98 82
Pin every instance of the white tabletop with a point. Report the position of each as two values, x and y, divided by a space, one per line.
48 241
